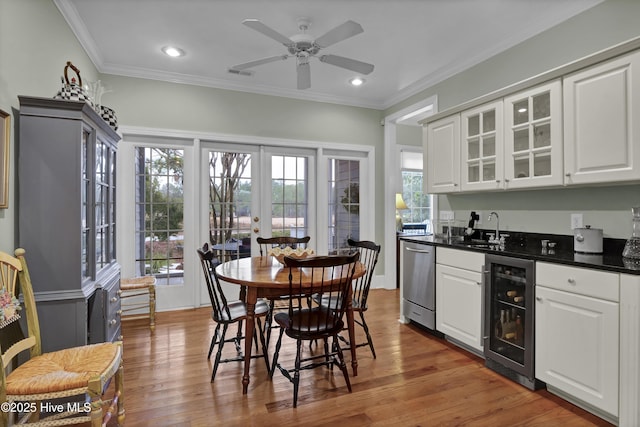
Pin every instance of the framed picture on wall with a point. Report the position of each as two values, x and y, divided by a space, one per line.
4 159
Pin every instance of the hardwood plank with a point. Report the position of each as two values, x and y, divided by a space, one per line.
417 379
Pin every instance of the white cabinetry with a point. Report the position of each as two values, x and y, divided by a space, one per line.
577 340
601 125
459 296
442 151
533 137
482 147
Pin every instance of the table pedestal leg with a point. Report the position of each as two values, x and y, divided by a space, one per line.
252 297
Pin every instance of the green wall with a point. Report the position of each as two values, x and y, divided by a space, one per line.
605 25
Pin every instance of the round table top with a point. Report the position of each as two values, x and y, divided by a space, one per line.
265 271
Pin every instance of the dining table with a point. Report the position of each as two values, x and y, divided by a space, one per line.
263 277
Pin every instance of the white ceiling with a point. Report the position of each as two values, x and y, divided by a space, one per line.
412 43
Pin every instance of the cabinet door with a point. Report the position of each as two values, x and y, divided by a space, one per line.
459 304
533 137
442 155
577 346
602 130
481 148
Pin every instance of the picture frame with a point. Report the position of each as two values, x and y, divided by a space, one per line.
5 120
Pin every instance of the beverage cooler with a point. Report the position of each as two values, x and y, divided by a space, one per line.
509 318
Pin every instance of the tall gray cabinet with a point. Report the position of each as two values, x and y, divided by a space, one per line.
66 220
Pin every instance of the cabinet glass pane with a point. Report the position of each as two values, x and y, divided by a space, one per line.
541 106
521 167
474 172
489 171
521 140
489 146
521 112
541 135
474 125
85 213
473 148
542 164
489 121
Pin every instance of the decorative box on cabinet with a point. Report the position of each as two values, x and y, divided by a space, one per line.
66 219
601 125
442 155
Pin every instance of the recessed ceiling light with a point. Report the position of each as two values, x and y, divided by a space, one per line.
173 51
356 81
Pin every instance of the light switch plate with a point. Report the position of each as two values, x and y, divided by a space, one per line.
576 220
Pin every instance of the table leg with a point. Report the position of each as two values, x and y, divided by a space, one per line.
252 297
352 333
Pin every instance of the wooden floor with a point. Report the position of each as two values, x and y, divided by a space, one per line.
416 380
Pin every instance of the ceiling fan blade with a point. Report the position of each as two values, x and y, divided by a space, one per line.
259 62
339 33
348 63
267 31
304 76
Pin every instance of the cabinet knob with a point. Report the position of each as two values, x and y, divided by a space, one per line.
114 299
538 298
119 292
119 313
113 322
568 174
571 281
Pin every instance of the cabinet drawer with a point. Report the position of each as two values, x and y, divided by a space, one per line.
467 260
593 283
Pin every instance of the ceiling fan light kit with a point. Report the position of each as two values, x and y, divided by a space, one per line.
303 47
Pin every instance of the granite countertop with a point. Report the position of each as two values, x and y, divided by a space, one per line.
528 246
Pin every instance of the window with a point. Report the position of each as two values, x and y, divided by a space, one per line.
159 214
420 205
344 203
289 200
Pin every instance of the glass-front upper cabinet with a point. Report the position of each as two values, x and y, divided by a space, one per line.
482 147
533 137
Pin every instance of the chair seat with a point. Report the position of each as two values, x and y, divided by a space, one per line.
238 310
64 370
137 283
334 301
312 322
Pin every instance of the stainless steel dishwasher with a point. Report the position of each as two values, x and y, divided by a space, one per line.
418 283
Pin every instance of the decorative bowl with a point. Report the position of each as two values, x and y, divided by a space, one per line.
280 253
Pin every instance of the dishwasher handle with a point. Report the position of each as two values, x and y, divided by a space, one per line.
420 251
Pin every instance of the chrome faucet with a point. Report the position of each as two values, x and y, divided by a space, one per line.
497 236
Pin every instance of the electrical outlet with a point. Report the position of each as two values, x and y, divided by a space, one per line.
576 220
446 215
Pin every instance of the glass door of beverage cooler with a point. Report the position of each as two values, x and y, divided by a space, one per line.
509 317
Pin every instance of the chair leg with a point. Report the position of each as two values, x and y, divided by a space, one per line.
119 377
296 373
238 339
342 364
213 340
219 353
274 363
268 323
152 307
265 353
366 331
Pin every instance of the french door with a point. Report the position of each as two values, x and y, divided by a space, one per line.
182 192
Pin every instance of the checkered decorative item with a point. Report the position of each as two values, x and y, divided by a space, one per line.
73 91
109 116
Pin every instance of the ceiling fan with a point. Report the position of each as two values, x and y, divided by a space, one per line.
303 47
